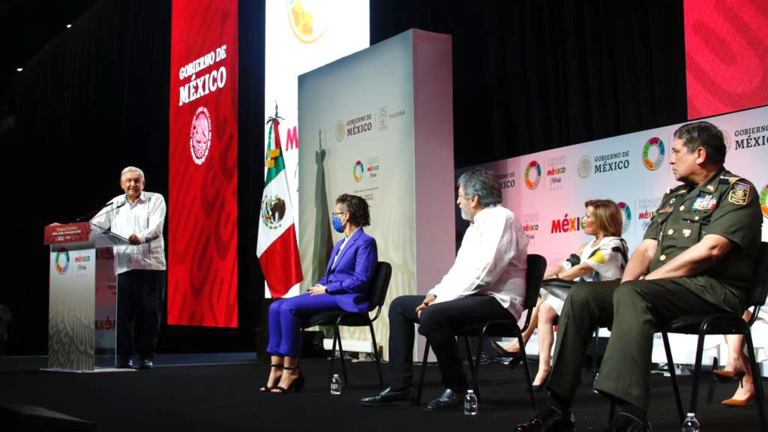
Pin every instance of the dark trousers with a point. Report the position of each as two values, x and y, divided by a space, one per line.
439 323
634 311
140 296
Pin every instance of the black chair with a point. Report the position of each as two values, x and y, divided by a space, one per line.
378 290
722 323
537 265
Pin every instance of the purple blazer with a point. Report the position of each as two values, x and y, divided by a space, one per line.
349 281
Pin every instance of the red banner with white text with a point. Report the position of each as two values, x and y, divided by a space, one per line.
202 257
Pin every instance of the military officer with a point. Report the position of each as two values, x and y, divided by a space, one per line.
697 257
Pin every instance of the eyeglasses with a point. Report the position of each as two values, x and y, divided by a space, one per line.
337 213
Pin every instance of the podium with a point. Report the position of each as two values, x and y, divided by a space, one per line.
82 316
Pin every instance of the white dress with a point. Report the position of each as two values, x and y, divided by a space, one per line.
608 259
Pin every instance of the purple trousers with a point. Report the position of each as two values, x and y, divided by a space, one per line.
286 316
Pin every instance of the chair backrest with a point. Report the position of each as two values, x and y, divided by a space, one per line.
759 291
380 285
537 265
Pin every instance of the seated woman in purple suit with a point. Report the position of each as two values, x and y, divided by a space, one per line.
344 287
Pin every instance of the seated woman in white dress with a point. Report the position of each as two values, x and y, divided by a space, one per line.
600 260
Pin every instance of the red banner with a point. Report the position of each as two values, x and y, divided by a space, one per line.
726 45
70 233
202 210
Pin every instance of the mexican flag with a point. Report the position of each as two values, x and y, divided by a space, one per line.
277 249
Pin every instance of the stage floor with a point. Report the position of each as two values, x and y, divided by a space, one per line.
219 392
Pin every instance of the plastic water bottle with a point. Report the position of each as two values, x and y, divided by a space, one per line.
691 424
335 385
470 403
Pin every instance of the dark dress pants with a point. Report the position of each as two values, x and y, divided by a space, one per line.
140 296
439 323
634 311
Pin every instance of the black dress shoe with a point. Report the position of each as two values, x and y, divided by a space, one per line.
626 423
125 363
450 400
549 419
387 396
147 364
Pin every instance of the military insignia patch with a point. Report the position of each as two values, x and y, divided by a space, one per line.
686 233
739 193
710 187
668 209
705 203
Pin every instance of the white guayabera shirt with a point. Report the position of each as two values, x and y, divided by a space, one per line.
491 261
145 218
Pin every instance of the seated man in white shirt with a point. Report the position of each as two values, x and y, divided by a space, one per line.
138 216
487 282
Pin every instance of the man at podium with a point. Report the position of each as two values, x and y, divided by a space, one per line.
138 216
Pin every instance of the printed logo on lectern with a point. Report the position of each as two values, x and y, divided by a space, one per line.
533 169
584 167
272 211
62 261
340 131
626 217
358 171
764 201
309 19
653 153
200 135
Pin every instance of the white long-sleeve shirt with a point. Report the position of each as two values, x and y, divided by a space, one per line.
145 218
491 261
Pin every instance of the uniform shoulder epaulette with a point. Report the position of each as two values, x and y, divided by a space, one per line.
726 179
675 189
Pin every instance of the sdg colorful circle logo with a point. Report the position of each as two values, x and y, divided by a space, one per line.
532 184
648 151
62 255
764 201
626 217
358 171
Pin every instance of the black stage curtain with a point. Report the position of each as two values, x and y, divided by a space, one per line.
528 76
93 101
534 75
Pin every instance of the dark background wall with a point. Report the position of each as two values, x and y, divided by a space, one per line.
528 76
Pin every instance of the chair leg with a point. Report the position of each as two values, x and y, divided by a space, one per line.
333 357
758 382
697 372
423 372
710 393
476 370
341 355
469 353
376 355
527 369
673 375
612 412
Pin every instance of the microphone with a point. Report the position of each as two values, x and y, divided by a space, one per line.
99 209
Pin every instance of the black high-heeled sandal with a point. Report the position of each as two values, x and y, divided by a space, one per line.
296 385
267 388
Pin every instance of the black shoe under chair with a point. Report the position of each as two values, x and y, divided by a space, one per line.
450 400
549 419
626 423
386 397
296 385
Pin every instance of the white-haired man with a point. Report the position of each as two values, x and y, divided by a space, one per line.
138 216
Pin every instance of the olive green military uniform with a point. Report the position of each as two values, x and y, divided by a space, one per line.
725 205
